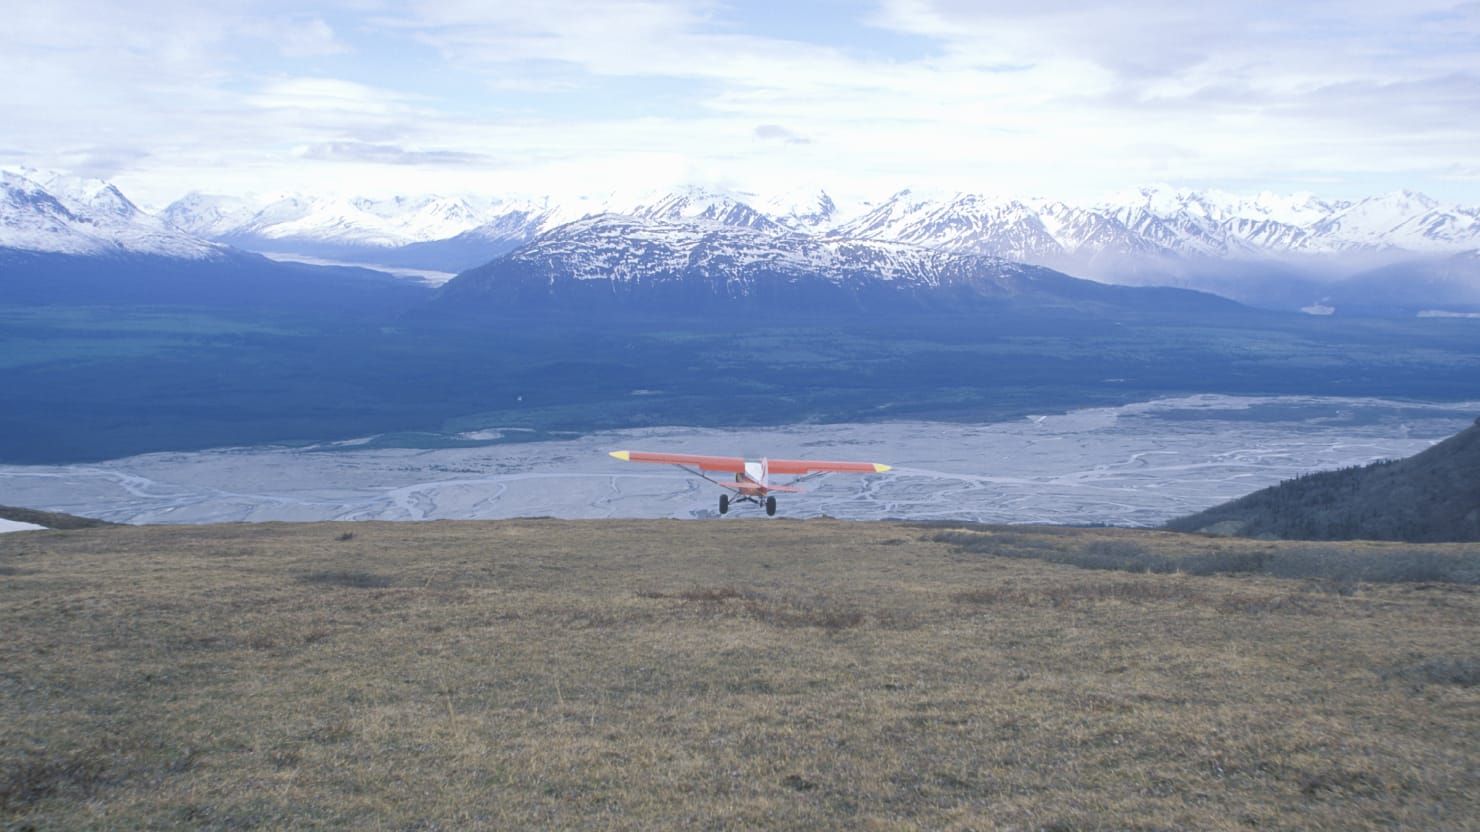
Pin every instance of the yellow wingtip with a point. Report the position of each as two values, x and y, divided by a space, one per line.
625 456
880 468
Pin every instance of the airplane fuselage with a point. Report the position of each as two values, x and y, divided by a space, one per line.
752 479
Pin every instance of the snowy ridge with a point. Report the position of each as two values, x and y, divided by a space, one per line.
400 220
709 207
1163 222
385 223
612 262
627 249
87 217
802 210
1145 224
1155 235
391 222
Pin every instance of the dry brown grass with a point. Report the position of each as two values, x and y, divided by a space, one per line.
786 674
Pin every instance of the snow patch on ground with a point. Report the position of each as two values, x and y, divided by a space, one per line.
18 526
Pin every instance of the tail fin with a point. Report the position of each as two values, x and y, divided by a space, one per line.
757 471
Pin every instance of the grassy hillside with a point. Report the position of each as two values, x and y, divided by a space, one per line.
49 519
638 675
1431 496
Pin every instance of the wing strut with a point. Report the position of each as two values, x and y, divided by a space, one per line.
702 475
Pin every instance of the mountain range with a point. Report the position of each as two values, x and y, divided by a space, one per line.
82 242
1157 221
1147 221
126 333
1400 253
1279 251
88 217
681 266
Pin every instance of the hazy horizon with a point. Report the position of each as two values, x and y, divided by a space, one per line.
1341 100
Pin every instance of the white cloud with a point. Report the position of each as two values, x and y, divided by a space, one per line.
388 154
1050 97
775 132
299 37
328 95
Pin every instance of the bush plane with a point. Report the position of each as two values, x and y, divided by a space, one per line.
752 483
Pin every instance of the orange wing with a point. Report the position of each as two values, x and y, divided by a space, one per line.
817 466
726 464
736 465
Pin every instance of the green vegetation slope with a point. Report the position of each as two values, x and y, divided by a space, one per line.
49 519
1432 496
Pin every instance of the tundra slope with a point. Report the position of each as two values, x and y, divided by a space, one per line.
781 674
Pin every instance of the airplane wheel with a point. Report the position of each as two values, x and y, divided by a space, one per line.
770 506
724 503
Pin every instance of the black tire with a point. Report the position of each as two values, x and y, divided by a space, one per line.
724 504
770 506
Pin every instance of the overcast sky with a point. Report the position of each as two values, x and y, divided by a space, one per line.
583 96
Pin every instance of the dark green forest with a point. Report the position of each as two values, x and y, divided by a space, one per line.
89 383
1433 496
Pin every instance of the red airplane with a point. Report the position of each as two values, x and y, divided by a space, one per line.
752 483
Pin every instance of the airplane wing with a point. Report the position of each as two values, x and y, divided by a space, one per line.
736 465
819 466
724 464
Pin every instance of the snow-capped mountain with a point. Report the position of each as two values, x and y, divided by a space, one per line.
209 216
445 233
1182 223
455 233
628 249
703 264
376 223
1280 251
1405 220
66 241
86 217
966 223
1157 225
806 210
1169 224
401 220
1267 249
698 204
1270 225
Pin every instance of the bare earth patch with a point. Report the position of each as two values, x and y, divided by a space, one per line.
659 674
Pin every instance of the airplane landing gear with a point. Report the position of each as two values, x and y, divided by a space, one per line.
770 506
724 504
